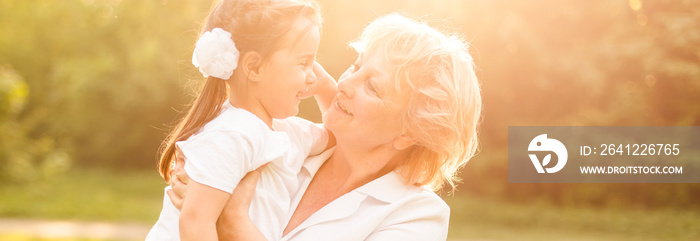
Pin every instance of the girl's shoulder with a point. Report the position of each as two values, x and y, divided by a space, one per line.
237 120
238 128
294 124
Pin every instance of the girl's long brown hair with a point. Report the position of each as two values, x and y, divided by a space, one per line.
255 25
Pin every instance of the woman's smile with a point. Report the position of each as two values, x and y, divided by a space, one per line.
342 108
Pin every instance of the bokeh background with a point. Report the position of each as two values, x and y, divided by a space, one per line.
89 89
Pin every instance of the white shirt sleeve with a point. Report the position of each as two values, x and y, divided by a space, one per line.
312 137
420 220
218 159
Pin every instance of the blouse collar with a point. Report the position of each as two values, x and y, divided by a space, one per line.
388 188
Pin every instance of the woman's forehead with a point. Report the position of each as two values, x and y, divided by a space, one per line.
376 63
387 73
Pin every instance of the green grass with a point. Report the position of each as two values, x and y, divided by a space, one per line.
92 194
136 196
498 220
24 237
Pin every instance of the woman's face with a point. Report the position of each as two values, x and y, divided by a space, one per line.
367 109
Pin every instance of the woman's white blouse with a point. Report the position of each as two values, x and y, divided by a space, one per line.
384 209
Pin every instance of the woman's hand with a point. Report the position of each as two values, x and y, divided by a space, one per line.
237 205
178 181
239 202
234 222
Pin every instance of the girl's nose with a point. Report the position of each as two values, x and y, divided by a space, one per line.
310 78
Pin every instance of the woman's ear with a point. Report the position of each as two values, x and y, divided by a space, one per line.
250 64
404 141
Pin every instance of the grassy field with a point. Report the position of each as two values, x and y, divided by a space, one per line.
493 220
94 194
20 237
101 195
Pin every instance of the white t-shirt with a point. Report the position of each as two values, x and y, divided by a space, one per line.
235 143
386 208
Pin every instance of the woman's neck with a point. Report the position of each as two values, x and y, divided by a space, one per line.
356 167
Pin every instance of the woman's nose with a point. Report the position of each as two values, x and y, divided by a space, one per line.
346 85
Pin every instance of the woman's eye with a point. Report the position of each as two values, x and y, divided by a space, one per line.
371 88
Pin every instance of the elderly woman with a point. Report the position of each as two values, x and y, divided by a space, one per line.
405 119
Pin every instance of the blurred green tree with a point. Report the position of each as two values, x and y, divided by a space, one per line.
102 75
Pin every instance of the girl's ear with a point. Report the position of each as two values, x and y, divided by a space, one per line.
250 64
404 141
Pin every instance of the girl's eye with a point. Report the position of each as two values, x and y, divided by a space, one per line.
307 63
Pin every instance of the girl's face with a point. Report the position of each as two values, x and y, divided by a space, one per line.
367 109
287 74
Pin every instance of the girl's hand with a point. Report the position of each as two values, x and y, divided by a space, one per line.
325 88
323 79
324 82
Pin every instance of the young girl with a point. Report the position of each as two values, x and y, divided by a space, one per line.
262 52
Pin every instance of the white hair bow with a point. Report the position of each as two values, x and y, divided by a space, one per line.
215 54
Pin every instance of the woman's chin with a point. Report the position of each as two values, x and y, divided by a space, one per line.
330 121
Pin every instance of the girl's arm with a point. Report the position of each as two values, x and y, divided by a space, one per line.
324 89
234 222
200 210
